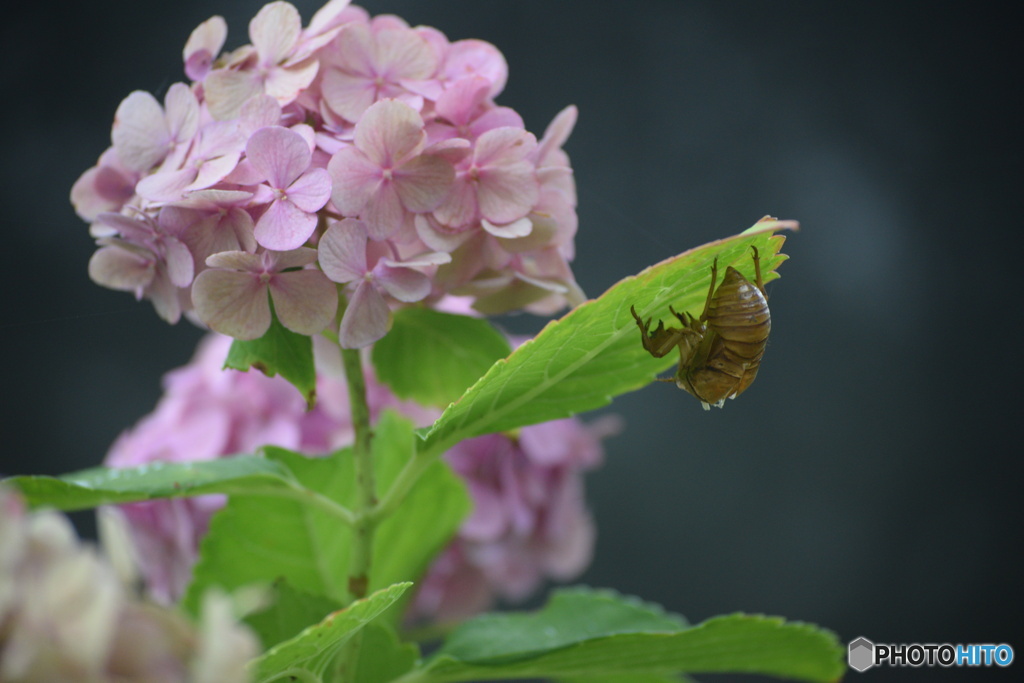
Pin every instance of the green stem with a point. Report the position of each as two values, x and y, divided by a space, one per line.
366 487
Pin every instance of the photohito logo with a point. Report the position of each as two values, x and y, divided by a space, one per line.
863 654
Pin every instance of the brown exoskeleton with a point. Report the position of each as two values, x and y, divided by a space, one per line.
719 352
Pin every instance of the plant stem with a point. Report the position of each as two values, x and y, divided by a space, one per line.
366 486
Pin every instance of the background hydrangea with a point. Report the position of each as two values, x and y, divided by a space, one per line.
356 141
529 520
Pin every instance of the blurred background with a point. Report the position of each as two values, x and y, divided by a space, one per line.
870 479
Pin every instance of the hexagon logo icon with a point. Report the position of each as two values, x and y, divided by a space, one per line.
861 655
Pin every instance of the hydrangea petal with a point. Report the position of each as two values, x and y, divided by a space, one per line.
311 190
477 57
423 182
305 300
285 84
179 262
405 54
507 196
166 186
355 180
366 319
284 226
279 154
342 250
202 46
182 112
274 31
519 228
347 95
405 284
140 133
121 269
390 132
226 92
232 303
383 213
557 132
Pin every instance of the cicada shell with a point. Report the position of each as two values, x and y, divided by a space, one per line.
719 352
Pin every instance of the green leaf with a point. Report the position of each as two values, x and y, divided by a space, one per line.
582 633
259 540
593 353
241 474
279 351
382 657
290 612
432 357
317 646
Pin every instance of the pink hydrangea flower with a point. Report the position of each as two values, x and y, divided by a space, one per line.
107 186
529 519
344 257
231 296
293 191
144 133
143 259
372 62
207 412
351 117
276 64
496 183
385 177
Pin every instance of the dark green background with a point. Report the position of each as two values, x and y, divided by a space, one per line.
869 481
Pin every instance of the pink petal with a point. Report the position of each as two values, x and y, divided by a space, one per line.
477 57
383 213
213 171
122 269
296 258
180 266
311 190
236 260
423 183
459 208
285 84
346 94
366 319
503 146
202 47
305 300
232 303
342 250
166 186
461 99
557 132
507 194
279 154
284 226
354 50
165 297
355 179
519 228
389 133
226 92
403 53
182 112
405 284
434 236
274 31
140 133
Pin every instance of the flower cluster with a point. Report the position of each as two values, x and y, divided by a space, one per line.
356 153
65 616
529 520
